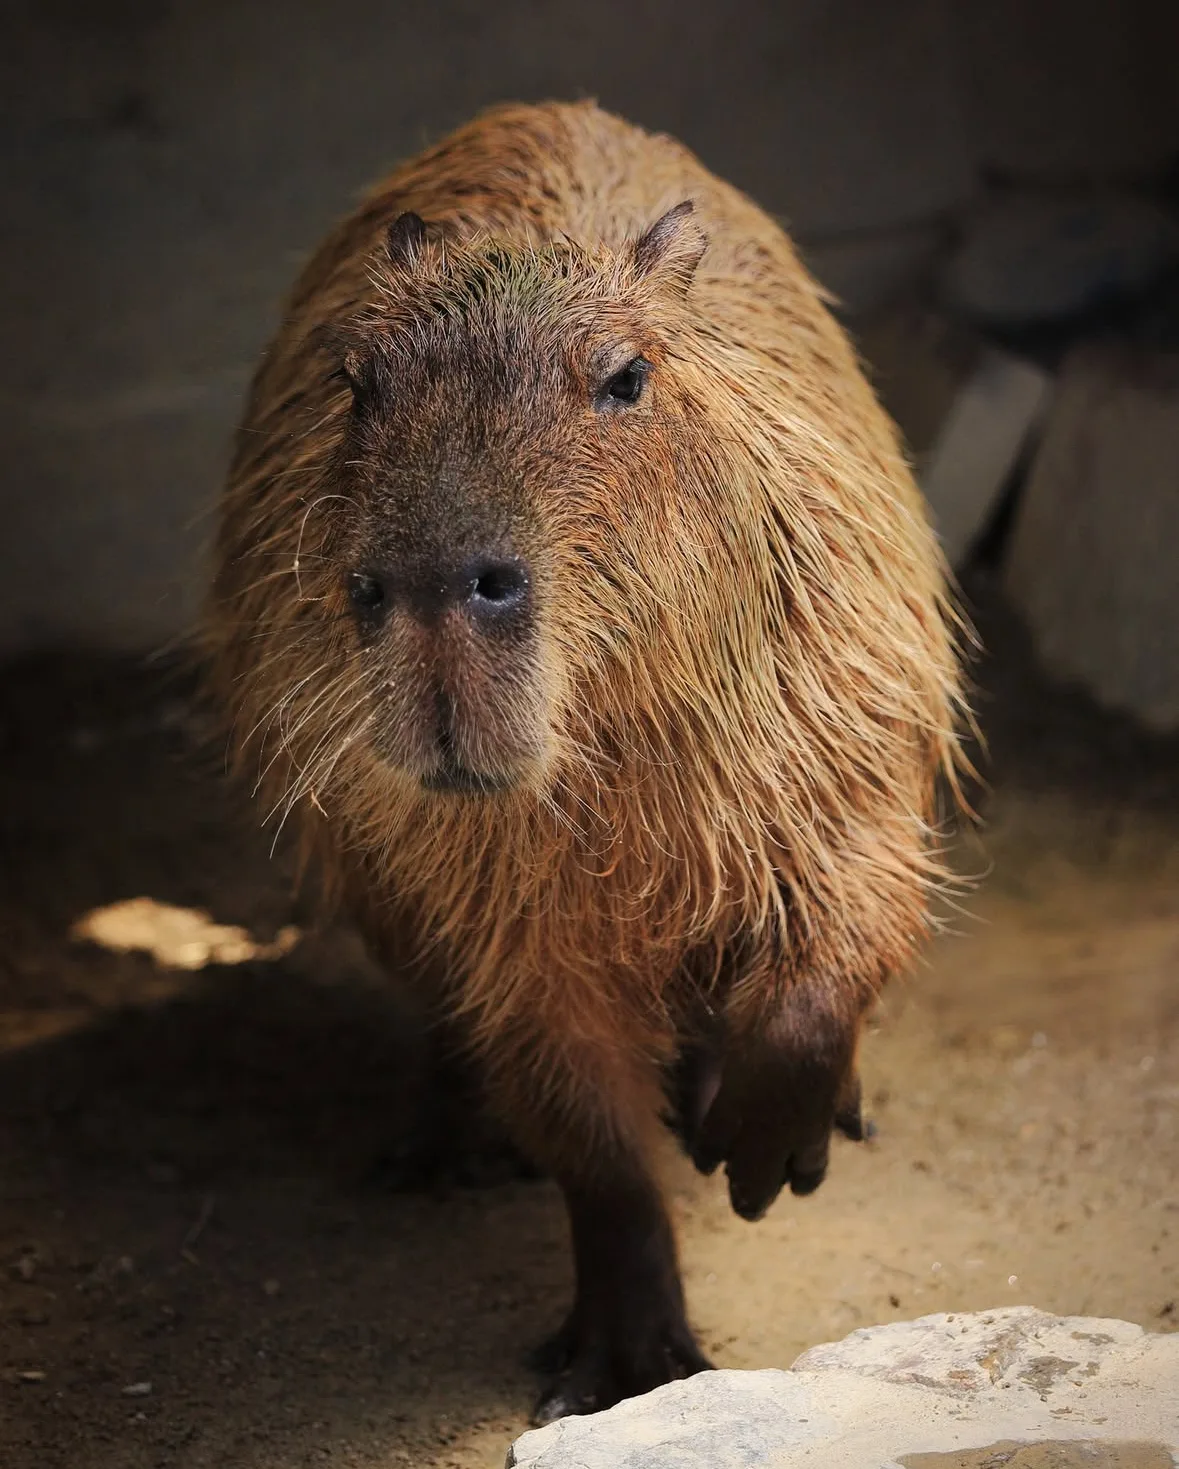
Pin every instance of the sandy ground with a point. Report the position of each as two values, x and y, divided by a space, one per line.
188 1196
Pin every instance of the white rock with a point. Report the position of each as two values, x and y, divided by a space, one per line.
1092 562
978 444
966 411
1086 1391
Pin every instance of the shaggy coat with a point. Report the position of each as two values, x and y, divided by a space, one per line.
707 749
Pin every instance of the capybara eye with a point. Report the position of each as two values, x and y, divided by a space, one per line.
625 387
365 592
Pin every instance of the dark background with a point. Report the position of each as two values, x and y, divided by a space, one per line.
166 165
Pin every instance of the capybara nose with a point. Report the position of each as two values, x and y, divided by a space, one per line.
493 592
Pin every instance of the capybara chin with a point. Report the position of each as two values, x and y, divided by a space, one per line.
575 603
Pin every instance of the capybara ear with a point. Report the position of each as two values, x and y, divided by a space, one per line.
339 344
673 247
406 236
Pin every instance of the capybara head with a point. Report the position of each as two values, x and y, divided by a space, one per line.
508 518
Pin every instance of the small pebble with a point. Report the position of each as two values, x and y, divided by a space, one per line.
137 1390
33 1375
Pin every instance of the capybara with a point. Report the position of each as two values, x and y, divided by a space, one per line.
576 606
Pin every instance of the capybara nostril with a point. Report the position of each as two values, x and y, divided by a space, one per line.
494 587
366 592
486 590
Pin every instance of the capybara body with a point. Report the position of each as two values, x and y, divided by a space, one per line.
575 603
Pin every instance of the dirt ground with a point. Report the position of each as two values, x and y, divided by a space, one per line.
200 1264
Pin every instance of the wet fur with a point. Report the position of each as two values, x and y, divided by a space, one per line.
740 690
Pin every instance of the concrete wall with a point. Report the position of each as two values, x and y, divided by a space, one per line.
166 164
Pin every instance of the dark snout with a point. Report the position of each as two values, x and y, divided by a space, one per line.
491 592
457 634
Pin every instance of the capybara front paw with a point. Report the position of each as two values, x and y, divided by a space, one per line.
781 1096
595 1366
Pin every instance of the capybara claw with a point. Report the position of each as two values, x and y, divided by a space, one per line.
601 1367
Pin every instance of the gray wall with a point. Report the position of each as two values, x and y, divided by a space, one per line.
163 167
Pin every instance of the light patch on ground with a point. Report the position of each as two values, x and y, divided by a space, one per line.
176 938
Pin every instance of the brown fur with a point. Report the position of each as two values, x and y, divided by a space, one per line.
726 723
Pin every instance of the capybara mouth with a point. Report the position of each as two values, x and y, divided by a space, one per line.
459 780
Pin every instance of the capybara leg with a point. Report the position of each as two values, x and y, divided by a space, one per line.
627 1332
